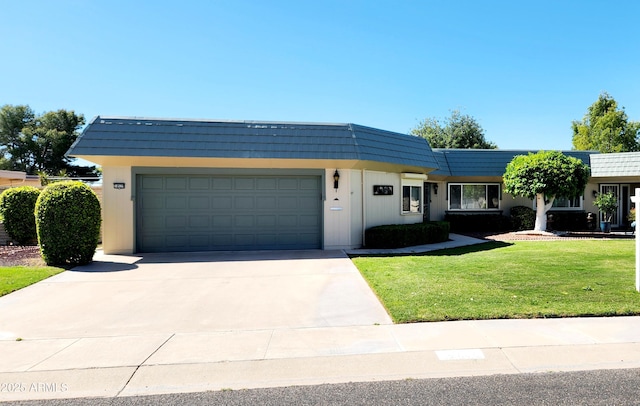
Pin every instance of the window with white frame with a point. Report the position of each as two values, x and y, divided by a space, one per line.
474 196
411 197
567 203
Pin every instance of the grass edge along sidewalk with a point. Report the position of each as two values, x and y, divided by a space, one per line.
16 277
522 279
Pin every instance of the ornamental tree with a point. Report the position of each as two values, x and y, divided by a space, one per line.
543 176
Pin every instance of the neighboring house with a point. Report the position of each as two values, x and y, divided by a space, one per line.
471 182
618 173
10 179
199 185
15 178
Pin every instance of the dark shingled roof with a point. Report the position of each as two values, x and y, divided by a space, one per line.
129 136
484 162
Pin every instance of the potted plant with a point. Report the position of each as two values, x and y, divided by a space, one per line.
632 218
607 203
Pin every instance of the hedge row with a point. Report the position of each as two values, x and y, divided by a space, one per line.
406 235
520 218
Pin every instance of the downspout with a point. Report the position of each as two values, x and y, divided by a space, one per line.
364 208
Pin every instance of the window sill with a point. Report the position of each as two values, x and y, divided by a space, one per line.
474 211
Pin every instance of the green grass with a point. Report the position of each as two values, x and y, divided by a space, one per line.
13 278
524 279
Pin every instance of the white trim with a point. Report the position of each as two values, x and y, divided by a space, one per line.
414 176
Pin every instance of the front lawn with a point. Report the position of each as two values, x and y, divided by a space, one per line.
523 279
13 278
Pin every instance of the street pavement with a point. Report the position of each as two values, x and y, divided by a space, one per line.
180 323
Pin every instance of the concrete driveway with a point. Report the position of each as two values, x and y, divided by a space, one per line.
193 292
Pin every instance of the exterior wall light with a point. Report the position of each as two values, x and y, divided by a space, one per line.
435 188
336 179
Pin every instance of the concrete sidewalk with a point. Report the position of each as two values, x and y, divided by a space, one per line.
193 362
126 358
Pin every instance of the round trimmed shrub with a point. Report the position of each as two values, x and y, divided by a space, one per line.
523 218
16 208
68 223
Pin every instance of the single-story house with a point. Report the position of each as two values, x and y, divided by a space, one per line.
10 179
201 185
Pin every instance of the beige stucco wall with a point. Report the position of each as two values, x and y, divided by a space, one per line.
117 211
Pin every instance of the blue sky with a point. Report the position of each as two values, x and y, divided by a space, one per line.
523 69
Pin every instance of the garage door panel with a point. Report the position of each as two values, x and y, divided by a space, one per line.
200 213
288 202
309 184
244 221
222 183
288 184
151 222
221 203
199 183
244 203
266 221
199 221
176 202
266 203
222 221
309 221
176 183
288 221
198 202
244 183
152 183
150 202
307 239
176 222
150 242
221 240
199 241
267 184
311 202
177 242
244 240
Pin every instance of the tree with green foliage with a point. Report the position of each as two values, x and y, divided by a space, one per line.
458 131
17 207
606 128
68 221
543 176
36 144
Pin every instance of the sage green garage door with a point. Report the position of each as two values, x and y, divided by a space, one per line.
208 213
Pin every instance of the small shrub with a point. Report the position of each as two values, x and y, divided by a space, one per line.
523 218
68 223
406 235
17 207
